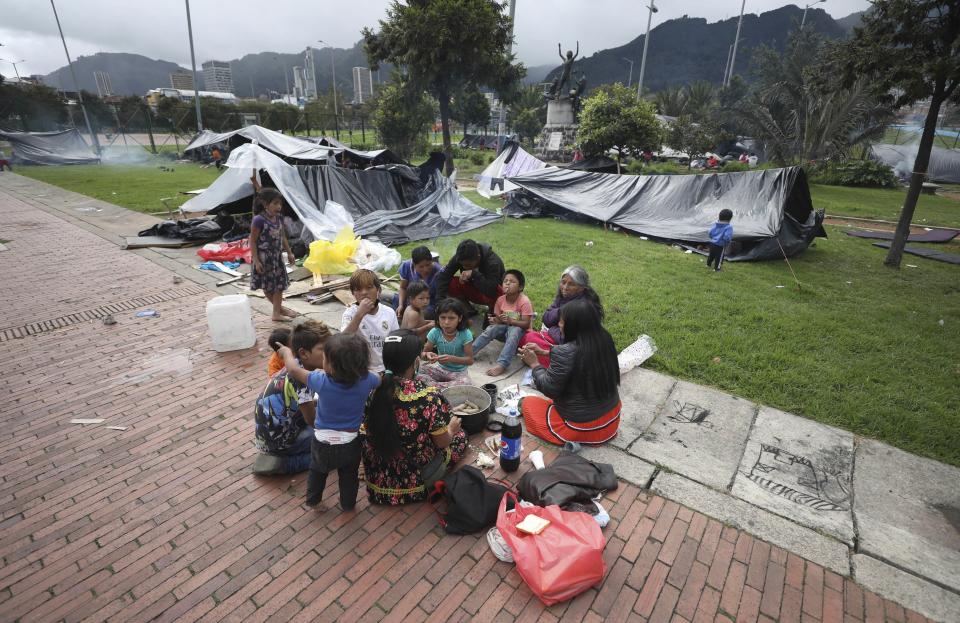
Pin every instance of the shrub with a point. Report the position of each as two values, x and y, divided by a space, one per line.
734 166
863 173
477 158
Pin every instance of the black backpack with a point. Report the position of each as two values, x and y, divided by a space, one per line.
472 501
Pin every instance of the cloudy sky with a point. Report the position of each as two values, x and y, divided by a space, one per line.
228 30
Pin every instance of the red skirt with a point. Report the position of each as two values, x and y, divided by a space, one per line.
541 339
542 420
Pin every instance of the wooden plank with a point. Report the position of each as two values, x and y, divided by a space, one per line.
345 297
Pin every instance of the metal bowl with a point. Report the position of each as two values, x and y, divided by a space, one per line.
457 394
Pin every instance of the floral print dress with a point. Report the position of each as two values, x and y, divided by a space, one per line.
420 410
269 249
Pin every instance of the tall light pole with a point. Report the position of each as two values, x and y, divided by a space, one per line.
333 79
76 85
736 40
646 41
804 20
193 61
502 126
630 78
15 70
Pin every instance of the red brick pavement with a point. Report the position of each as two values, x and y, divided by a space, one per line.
163 520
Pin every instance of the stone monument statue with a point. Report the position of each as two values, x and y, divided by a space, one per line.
564 79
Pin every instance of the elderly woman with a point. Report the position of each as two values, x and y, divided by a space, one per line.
574 286
581 382
411 439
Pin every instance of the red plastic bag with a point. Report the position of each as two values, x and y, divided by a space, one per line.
238 250
562 561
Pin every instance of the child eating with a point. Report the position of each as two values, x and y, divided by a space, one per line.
512 317
453 343
368 318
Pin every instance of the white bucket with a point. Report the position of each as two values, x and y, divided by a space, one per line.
231 323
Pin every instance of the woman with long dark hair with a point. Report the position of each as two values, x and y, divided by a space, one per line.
411 438
581 383
574 286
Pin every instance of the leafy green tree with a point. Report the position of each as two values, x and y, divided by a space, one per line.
912 46
671 101
403 117
700 98
694 139
528 114
612 118
32 108
470 107
444 46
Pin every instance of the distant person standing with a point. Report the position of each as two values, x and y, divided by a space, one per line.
720 236
217 158
4 162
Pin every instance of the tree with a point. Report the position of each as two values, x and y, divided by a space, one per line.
403 116
694 139
911 46
445 46
528 114
699 99
671 101
800 109
470 107
612 118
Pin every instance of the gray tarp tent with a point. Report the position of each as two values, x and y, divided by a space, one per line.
771 208
944 163
66 147
293 149
374 199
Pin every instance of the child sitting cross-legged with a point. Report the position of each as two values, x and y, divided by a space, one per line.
342 389
449 347
512 317
418 300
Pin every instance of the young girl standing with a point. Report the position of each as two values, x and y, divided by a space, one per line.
267 242
453 343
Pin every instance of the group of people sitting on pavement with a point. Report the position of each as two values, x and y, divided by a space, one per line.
372 394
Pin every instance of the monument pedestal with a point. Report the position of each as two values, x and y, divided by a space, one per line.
559 134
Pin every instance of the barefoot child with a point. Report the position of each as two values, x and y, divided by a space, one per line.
453 343
368 318
267 242
418 300
511 319
342 389
286 408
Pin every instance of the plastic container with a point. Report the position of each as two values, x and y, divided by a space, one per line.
231 323
458 394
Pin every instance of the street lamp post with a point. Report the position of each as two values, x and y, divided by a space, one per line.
736 40
333 79
193 61
76 85
15 70
804 20
630 78
646 41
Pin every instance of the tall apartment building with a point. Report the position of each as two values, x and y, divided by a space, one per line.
309 75
299 83
218 77
182 79
104 87
362 85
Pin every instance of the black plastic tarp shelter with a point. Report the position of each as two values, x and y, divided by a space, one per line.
66 147
944 163
771 208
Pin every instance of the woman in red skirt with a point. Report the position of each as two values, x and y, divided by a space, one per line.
581 383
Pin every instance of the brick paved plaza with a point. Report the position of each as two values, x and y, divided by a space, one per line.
164 521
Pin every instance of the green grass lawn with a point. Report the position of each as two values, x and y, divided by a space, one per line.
136 187
882 203
860 346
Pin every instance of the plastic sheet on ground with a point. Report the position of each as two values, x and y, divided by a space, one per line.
333 257
634 355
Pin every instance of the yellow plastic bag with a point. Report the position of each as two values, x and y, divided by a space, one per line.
332 258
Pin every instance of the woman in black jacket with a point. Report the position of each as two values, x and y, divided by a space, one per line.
581 383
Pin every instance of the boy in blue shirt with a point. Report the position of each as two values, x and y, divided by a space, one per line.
342 389
720 236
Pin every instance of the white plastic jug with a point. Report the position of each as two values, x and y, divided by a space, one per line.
231 323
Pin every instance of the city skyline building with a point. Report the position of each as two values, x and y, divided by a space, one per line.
217 77
362 85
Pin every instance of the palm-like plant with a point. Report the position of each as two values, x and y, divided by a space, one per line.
801 113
